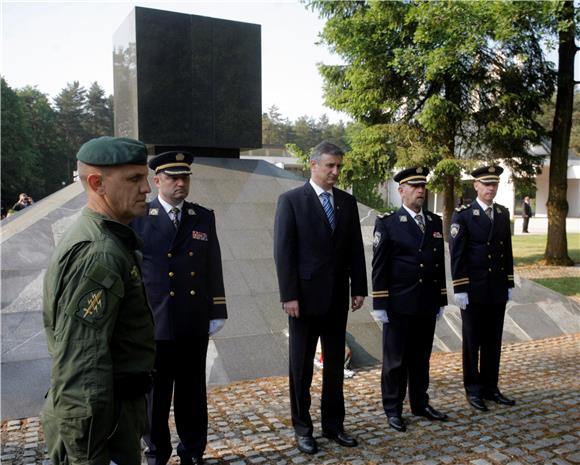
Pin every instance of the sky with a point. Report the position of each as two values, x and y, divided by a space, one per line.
49 44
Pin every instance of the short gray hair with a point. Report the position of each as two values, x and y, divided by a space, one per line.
325 147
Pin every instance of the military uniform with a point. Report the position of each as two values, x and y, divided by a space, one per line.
482 267
99 331
409 283
94 297
182 271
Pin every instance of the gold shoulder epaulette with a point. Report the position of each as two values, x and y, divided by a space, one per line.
383 215
462 207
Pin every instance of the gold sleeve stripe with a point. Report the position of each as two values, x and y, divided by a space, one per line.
461 281
443 291
380 294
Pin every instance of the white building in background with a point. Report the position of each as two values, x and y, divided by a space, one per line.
277 155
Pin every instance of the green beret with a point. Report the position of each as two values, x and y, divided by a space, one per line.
113 151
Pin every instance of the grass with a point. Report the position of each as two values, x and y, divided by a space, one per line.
565 286
529 249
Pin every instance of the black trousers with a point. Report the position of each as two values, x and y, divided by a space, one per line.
407 345
304 334
525 225
180 372
482 328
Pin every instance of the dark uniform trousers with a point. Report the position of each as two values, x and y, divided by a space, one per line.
407 343
184 281
482 328
409 283
482 266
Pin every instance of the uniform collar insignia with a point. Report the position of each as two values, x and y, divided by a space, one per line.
475 212
190 211
429 218
403 219
154 212
498 210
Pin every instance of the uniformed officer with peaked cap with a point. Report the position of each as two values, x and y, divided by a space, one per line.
483 279
409 292
182 271
98 324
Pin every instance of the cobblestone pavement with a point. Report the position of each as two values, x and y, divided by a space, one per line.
249 421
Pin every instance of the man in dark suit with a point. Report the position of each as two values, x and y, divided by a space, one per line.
526 213
483 279
409 293
318 249
182 271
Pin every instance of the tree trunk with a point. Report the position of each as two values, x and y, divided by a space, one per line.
557 244
448 204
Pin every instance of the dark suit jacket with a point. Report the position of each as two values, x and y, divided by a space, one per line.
314 263
409 266
481 253
182 270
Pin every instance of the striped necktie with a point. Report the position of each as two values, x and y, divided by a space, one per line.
175 217
420 222
489 214
328 209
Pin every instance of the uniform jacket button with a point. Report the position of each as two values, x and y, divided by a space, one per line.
192 273
421 265
489 269
171 274
192 292
190 254
169 255
420 280
489 256
171 293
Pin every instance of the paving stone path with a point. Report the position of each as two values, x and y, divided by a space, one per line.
249 421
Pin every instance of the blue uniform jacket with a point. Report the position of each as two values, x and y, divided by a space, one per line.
481 253
408 266
182 270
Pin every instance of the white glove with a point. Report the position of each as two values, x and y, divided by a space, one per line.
380 316
510 293
440 313
216 325
462 300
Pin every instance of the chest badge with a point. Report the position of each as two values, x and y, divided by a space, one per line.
200 236
403 219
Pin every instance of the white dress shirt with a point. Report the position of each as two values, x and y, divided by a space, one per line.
319 190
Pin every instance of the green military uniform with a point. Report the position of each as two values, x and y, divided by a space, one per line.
101 338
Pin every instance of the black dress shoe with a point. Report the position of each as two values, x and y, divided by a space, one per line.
307 444
341 438
191 460
499 398
430 413
477 403
396 422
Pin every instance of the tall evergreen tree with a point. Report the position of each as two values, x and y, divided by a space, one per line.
70 104
98 118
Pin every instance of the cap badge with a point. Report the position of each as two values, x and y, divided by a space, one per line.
419 170
179 157
492 169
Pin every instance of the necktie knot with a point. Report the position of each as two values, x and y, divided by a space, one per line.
327 206
489 213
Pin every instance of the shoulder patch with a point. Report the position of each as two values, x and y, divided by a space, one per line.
383 215
454 230
376 238
92 305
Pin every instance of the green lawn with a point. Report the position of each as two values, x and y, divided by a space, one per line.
529 249
565 286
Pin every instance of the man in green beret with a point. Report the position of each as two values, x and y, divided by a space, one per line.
98 324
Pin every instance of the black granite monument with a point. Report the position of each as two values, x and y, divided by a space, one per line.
188 82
